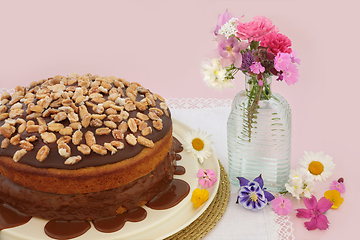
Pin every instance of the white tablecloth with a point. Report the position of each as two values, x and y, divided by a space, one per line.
211 115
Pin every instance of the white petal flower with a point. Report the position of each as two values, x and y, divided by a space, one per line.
198 143
215 74
319 167
229 28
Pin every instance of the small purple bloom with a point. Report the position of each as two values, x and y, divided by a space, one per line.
257 68
252 194
293 57
222 19
247 61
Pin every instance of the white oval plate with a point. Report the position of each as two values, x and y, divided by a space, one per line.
158 224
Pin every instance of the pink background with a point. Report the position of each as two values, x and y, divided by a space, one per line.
161 44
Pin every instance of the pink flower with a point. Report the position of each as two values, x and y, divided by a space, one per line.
255 29
229 49
282 61
291 74
281 206
315 212
207 177
276 42
257 68
222 19
293 57
261 83
338 185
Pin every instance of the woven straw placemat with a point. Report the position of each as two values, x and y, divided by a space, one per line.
203 224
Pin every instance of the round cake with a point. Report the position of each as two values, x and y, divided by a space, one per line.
83 147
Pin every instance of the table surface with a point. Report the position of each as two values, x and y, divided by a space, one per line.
231 226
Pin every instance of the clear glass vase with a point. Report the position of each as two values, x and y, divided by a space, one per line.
259 135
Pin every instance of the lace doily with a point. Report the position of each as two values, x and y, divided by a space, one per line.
191 103
281 228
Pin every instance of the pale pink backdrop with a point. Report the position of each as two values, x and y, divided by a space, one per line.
161 44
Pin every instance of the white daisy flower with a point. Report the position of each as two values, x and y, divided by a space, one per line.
198 143
214 74
319 167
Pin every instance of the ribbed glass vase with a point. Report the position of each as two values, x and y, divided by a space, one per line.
259 135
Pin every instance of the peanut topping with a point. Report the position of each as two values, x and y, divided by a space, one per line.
65 105
42 153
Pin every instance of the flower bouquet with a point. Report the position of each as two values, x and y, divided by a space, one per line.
255 48
259 125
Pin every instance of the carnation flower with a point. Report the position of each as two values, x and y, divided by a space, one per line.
255 29
315 211
276 42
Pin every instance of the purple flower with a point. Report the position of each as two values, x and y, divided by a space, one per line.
338 185
247 61
222 19
252 194
229 49
257 68
314 210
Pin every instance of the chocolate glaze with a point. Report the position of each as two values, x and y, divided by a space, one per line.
11 217
179 170
54 160
59 229
176 192
115 223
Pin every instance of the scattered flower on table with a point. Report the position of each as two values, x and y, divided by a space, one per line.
338 185
300 184
335 197
315 212
281 205
252 194
207 177
199 197
198 143
319 166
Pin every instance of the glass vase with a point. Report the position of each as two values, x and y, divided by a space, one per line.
259 135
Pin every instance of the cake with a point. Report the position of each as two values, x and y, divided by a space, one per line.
83 147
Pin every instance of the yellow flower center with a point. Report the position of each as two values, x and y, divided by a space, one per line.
253 197
197 144
229 49
316 167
